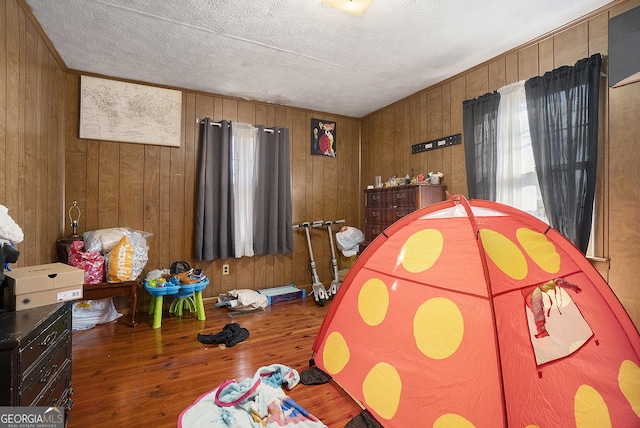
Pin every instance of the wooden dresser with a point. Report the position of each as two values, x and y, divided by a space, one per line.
35 357
386 205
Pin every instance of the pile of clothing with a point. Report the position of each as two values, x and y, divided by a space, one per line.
255 402
242 300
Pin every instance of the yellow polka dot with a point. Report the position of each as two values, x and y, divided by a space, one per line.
629 381
421 250
504 253
373 301
382 388
540 249
451 420
532 426
336 353
590 409
438 328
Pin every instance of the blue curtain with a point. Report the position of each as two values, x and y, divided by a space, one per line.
213 229
272 232
480 145
213 237
563 118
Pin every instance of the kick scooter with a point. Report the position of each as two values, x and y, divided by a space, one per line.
335 284
318 290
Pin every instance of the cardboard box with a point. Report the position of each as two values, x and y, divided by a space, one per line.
34 286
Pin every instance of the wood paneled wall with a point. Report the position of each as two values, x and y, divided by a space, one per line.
153 188
623 190
46 166
31 135
435 112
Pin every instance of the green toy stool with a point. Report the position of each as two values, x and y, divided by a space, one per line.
190 296
181 302
155 305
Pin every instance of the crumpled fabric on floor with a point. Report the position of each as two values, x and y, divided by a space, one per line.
231 335
314 376
363 420
257 402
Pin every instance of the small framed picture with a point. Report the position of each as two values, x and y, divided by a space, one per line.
323 138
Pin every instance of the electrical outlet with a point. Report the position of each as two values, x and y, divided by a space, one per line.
225 269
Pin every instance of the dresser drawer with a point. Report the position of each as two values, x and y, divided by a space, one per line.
404 197
385 206
400 212
374 216
49 368
43 341
372 231
374 198
59 393
385 216
35 356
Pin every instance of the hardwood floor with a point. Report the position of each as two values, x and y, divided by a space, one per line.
133 377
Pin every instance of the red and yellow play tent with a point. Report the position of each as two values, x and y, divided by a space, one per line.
475 314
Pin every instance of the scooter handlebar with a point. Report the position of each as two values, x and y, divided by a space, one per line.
307 224
329 223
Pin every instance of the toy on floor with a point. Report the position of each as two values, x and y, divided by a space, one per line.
181 282
317 289
335 284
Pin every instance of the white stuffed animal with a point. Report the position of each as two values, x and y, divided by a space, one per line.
9 230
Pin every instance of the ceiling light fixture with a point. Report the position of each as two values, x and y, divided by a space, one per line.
354 7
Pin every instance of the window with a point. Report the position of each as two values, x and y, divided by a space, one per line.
562 117
516 179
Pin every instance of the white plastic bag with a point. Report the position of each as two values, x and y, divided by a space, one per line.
103 240
126 261
9 229
348 239
87 313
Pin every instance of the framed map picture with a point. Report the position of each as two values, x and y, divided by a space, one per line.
127 112
323 138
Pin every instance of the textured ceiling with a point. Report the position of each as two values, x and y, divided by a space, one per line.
297 53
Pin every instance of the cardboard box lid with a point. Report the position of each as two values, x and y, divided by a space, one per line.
51 276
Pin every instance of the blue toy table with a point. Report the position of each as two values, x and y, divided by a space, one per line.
185 294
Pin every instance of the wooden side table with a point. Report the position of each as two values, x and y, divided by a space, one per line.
105 290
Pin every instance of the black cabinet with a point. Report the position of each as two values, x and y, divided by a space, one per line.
35 357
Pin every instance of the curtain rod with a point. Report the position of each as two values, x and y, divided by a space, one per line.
269 130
